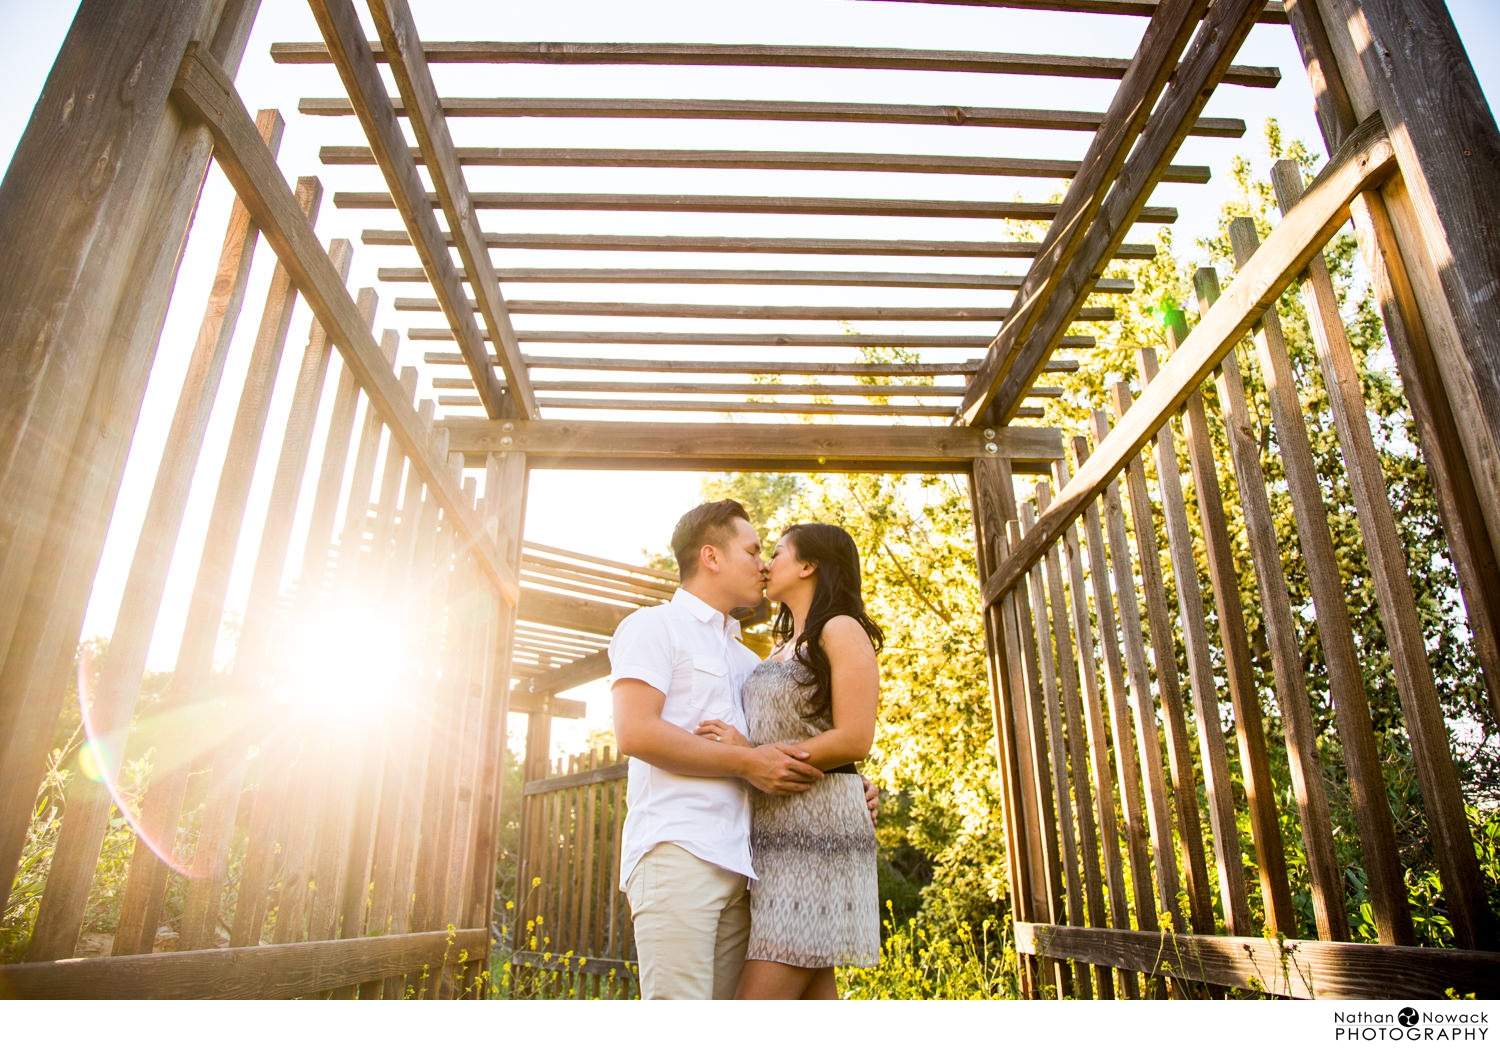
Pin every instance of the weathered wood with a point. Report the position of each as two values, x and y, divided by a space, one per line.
937 342
347 49
782 389
261 972
806 408
94 210
1448 146
1166 35
1057 748
769 55
607 242
569 676
1274 13
1213 755
1080 693
203 88
1363 160
718 367
1280 627
570 308
756 160
1200 70
1474 926
1346 683
86 813
725 109
560 610
1158 806
408 65
752 446
833 278
1300 969
740 204
145 890
1168 684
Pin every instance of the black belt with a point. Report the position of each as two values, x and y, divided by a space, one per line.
848 767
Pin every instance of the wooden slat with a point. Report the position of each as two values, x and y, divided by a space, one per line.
1300 969
831 278
931 342
605 242
763 55
574 308
746 205
1158 806
720 367
1365 159
580 672
263 972
1166 35
1199 71
347 49
1168 684
1127 771
1057 746
745 446
204 89
1213 756
757 160
1281 633
782 389
88 801
1474 925
729 109
812 408
1346 685
1274 13
602 775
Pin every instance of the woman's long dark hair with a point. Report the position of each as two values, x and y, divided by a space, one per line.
836 592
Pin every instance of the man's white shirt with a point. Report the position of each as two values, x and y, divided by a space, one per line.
692 654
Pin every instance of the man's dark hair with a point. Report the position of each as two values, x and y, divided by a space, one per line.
707 523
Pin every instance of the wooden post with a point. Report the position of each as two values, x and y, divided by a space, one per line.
94 211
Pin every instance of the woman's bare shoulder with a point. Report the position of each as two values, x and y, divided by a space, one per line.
844 635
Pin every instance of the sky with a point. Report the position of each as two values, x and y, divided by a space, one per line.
614 514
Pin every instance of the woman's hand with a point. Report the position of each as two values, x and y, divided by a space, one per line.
723 732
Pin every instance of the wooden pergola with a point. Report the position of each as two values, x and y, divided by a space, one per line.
298 856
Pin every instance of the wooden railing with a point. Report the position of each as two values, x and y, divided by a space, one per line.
571 922
1116 872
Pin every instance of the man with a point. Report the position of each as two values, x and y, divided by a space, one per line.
685 850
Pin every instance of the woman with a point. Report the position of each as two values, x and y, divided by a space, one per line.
815 904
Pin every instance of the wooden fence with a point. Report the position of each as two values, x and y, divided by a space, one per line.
571 923
1116 871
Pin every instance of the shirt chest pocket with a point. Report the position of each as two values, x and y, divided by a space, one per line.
711 687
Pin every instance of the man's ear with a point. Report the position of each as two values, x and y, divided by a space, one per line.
708 558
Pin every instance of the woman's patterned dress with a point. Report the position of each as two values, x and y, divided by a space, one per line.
815 902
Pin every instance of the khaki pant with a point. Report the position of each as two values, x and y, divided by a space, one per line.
692 921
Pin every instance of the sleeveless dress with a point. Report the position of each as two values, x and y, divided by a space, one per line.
815 901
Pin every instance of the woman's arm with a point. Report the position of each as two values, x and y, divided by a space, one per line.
856 693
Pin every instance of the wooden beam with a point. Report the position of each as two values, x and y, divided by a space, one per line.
1274 13
784 408
938 342
1108 214
579 779
797 368
579 672
203 89
1167 34
729 311
738 204
351 55
523 703
269 971
404 55
1299 969
782 389
593 445
583 242
758 160
832 278
572 613
763 55
1365 159
729 109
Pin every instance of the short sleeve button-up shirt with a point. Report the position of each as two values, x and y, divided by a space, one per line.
692 653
